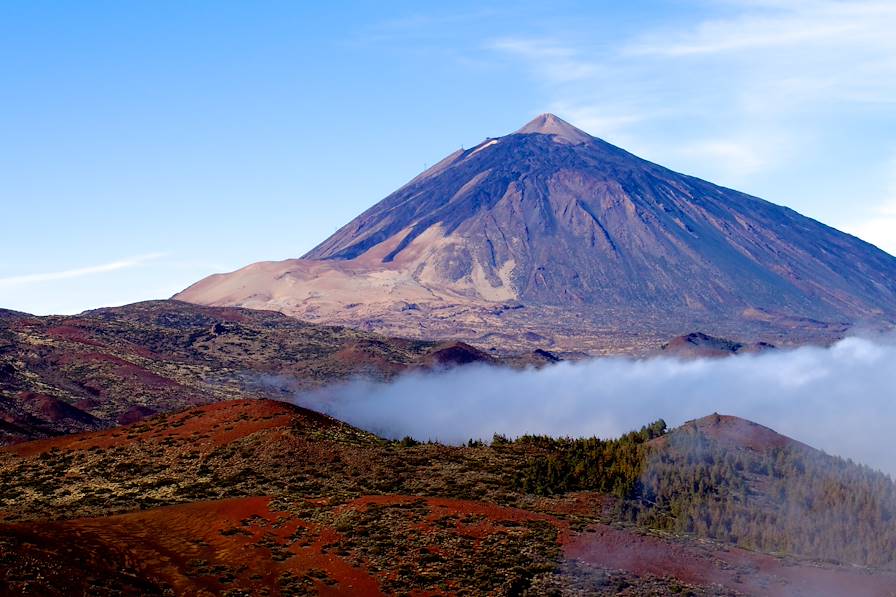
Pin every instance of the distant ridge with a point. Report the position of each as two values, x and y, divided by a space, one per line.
698 344
551 238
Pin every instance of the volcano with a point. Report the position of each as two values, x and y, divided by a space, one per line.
551 237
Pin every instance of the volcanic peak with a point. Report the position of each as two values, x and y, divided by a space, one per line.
549 124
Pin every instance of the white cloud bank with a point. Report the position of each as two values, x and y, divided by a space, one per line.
840 399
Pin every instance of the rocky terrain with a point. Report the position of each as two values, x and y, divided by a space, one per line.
153 449
698 344
255 497
63 374
550 238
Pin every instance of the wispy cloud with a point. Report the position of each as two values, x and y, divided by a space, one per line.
27 279
816 51
738 157
776 26
554 61
421 25
756 85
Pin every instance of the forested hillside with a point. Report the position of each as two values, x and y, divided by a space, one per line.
772 495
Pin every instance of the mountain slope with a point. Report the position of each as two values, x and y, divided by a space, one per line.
62 374
551 218
204 501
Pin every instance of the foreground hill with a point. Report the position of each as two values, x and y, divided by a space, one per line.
254 496
61 374
551 237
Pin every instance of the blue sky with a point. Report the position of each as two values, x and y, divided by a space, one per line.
148 144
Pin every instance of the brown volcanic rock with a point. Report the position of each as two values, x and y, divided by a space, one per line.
136 413
457 353
34 414
729 433
698 344
550 231
55 410
734 432
119 365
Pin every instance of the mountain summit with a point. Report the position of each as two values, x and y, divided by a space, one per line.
551 237
548 124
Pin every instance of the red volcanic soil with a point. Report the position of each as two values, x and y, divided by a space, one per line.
605 547
456 353
196 549
72 331
53 409
726 429
214 424
134 414
208 547
729 431
582 503
73 334
492 515
126 369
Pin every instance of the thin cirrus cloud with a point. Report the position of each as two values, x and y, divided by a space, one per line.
741 157
623 97
814 51
554 61
113 266
578 91
741 96
865 26
715 37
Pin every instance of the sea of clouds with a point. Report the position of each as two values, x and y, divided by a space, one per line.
841 399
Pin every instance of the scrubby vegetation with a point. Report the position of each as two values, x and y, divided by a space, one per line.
782 498
613 466
787 499
479 518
